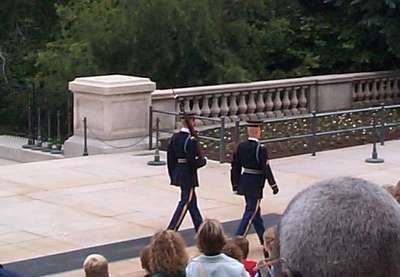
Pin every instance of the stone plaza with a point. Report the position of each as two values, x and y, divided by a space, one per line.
50 208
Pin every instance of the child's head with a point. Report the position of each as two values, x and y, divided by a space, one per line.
243 244
269 239
232 250
145 258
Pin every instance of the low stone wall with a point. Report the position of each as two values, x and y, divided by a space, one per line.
279 98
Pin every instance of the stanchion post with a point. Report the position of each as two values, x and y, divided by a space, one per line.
30 134
157 160
374 156
313 143
222 140
150 127
57 146
85 148
38 144
382 126
49 139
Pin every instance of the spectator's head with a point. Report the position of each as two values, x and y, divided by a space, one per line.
232 250
394 191
168 253
243 243
269 240
341 227
96 266
145 258
210 237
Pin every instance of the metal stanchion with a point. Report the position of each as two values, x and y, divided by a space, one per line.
222 140
38 144
374 156
314 133
157 160
49 145
30 134
85 148
57 146
150 128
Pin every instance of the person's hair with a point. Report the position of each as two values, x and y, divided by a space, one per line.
145 258
330 228
95 266
232 250
394 191
269 234
168 253
243 243
210 237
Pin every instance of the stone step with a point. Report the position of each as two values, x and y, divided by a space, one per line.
11 149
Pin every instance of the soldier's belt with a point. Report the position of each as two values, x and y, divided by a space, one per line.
253 171
182 161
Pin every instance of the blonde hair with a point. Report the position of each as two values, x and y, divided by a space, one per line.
96 265
168 253
210 237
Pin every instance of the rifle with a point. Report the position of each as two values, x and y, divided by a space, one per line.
193 132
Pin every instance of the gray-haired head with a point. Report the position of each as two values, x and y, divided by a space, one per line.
342 227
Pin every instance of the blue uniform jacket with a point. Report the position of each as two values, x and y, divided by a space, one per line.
250 154
182 146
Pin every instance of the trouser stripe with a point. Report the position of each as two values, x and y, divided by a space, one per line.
252 218
184 210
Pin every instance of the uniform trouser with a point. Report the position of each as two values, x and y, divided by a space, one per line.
252 215
188 202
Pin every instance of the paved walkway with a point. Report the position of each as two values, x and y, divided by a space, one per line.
55 206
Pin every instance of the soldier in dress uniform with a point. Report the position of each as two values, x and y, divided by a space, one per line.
252 157
183 159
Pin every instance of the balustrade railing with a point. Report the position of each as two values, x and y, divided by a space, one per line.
371 92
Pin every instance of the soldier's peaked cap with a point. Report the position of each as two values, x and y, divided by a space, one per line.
254 123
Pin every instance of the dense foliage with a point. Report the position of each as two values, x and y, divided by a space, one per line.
186 42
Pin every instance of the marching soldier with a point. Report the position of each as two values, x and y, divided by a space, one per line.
253 158
183 159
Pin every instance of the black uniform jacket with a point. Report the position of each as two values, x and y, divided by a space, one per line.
182 146
247 156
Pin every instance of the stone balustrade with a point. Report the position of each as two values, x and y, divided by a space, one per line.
375 90
279 98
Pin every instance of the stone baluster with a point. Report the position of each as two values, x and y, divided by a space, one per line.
205 108
197 110
224 105
381 90
186 104
269 104
294 101
367 92
233 107
396 88
286 101
278 103
242 106
360 92
251 106
303 100
389 90
375 92
215 109
260 104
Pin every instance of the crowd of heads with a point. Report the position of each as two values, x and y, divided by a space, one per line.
338 227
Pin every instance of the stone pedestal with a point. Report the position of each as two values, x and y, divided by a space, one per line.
117 112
